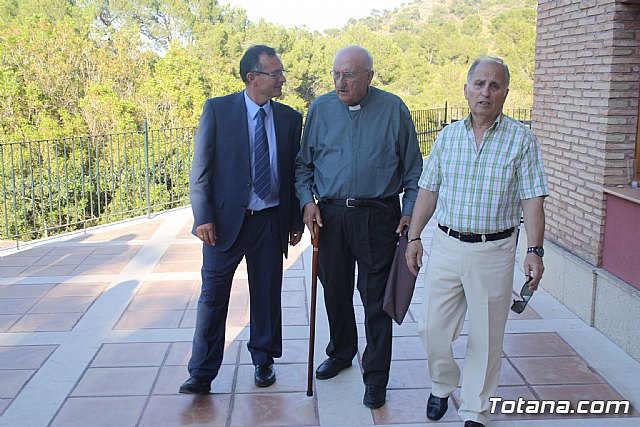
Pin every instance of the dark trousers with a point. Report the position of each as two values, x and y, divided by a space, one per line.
366 236
259 243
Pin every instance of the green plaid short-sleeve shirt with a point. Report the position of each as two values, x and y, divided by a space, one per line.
479 190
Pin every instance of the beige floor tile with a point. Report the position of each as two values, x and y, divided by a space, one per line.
7 321
74 250
292 284
108 268
178 267
174 287
130 354
122 250
294 316
25 259
528 313
107 260
25 291
184 254
12 381
409 374
37 251
77 289
555 370
24 356
508 375
4 403
16 305
116 382
239 298
48 270
12 271
76 412
46 322
294 351
293 263
536 344
187 410
62 259
408 348
294 299
62 304
180 353
189 319
149 319
274 409
159 302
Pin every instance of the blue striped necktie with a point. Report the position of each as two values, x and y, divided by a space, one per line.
261 165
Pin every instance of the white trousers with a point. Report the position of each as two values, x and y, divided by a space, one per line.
477 277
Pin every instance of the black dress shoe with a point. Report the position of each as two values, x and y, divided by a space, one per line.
265 375
470 423
196 385
331 367
374 396
436 407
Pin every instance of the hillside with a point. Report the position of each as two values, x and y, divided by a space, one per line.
71 67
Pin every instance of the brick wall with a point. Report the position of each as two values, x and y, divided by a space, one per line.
585 111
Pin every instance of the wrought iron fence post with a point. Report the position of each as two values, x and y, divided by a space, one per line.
445 112
146 167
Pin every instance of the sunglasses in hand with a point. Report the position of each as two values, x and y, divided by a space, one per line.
518 306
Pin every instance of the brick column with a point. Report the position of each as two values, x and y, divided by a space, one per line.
585 111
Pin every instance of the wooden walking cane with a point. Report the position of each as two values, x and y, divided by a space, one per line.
312 315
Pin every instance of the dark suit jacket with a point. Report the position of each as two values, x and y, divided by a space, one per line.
220 179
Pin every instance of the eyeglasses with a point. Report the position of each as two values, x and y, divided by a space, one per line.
274 74
518 306
347 75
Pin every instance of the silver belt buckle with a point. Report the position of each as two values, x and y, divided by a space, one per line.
346 202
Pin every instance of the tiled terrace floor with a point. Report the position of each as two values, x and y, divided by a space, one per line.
95 330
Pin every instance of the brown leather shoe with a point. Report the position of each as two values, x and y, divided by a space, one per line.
436 407
265 375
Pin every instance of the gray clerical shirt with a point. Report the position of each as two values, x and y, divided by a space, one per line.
363 153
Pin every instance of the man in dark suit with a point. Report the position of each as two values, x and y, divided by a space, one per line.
244 205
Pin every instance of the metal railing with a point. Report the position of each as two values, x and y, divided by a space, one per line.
55 186
60 185
430 122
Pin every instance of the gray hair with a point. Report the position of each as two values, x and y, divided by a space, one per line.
367 56
487 58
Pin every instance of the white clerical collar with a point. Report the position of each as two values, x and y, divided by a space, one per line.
354 107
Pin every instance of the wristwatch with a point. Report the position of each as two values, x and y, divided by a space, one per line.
538 250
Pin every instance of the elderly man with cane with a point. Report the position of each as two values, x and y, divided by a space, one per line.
359 152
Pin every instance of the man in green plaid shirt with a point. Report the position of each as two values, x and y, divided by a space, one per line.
483 173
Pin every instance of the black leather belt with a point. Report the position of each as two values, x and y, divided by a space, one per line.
250 212
361 203
476 238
